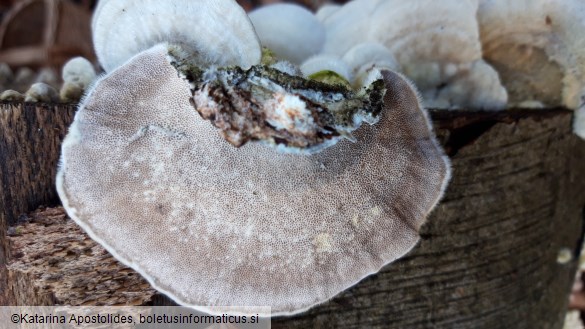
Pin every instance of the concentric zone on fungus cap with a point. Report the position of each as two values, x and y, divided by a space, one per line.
210 224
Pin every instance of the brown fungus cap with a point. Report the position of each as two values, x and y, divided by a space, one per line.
210 224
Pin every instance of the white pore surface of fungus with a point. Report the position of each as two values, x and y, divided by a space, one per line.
216 31
538 48
210 224
435 43
292 32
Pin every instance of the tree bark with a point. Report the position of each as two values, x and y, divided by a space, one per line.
500 251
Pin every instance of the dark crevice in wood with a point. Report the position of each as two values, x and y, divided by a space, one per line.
466 135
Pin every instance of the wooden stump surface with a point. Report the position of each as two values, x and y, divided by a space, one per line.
500 251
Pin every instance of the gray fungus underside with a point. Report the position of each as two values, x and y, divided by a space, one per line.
155 184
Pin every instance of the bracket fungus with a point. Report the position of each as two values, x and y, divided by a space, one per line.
436 44
538 48
292 32
210 224
215 31
364 58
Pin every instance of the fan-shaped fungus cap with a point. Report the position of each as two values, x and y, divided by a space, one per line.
365 57
215 31
538 48
292 32
211 224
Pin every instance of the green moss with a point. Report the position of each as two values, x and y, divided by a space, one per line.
330 77
268 57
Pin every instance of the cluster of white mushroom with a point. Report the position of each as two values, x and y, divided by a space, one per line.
77 74
475 54
146 174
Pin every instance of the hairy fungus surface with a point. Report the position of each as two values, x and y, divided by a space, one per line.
211 224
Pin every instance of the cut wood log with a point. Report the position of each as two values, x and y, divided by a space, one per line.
30 138
500 251
30 141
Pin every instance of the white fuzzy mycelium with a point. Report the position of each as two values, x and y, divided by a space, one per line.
289 112
538 48
292 32
215 32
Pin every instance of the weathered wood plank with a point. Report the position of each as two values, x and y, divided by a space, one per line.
30 139
487 258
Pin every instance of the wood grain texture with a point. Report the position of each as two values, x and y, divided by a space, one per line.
30 139
487 257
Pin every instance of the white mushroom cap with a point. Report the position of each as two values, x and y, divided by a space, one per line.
364 57
79 70
322 63
48 75
538 48
41 92
477 87
217 31
435 44
78 73
427 30
210 224
6 75
326 10
11 95
348 26
292 32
